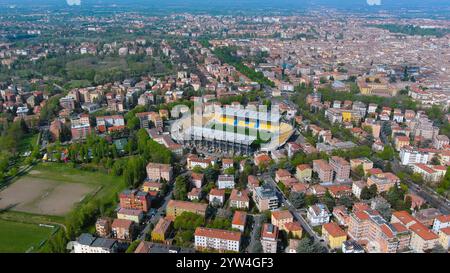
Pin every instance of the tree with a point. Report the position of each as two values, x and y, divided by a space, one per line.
181 188
311 199
359 171
396 197
445 183
306 245
369 192
329 201
132 247
230 171
387 153
297 199
188 221
345 201
183 238
56 244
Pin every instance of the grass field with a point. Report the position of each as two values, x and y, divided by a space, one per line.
54 189
19 237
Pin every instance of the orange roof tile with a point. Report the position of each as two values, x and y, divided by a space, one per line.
334 230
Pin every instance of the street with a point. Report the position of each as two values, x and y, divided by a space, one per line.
255 232
154 219
423 191
305 225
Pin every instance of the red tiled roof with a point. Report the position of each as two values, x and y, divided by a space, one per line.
282 214
293 226
217 192
404 217
218 233
443 218
239 218
121 223
334 230
446 230
424 232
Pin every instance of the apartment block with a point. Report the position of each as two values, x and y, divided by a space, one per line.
217 239
323 169
157 171
341 167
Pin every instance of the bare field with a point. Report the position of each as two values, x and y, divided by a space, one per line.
43 196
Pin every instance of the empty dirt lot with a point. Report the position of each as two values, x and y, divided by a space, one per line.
43 196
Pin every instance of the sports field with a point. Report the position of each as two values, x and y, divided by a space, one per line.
19 237
54 189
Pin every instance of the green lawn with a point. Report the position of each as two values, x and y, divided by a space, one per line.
19 237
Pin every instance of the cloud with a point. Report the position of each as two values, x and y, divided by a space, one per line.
73 2
373 2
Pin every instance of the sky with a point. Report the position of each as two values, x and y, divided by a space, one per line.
286 4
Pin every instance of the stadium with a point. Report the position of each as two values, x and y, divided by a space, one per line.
232 130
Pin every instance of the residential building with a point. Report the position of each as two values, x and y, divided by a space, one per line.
293 246
157 171
135 215
366 225
318 214
440 141
269 238
150 247
86 243
239 220
80 127
110 123
216 197
217 239
103 226
430 173
357 187
175 208
225 181
194 160
444 238
252 182
383 181
440 222
122 229
366 163
294 229
197 179
265 198
333 235
341 167
401 141
194 194
281 217
352 246
303 172
239 199
134 199
323 169
162 230
149 186
409 156
422 238
427 216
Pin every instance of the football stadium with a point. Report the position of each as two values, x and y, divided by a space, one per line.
232 130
